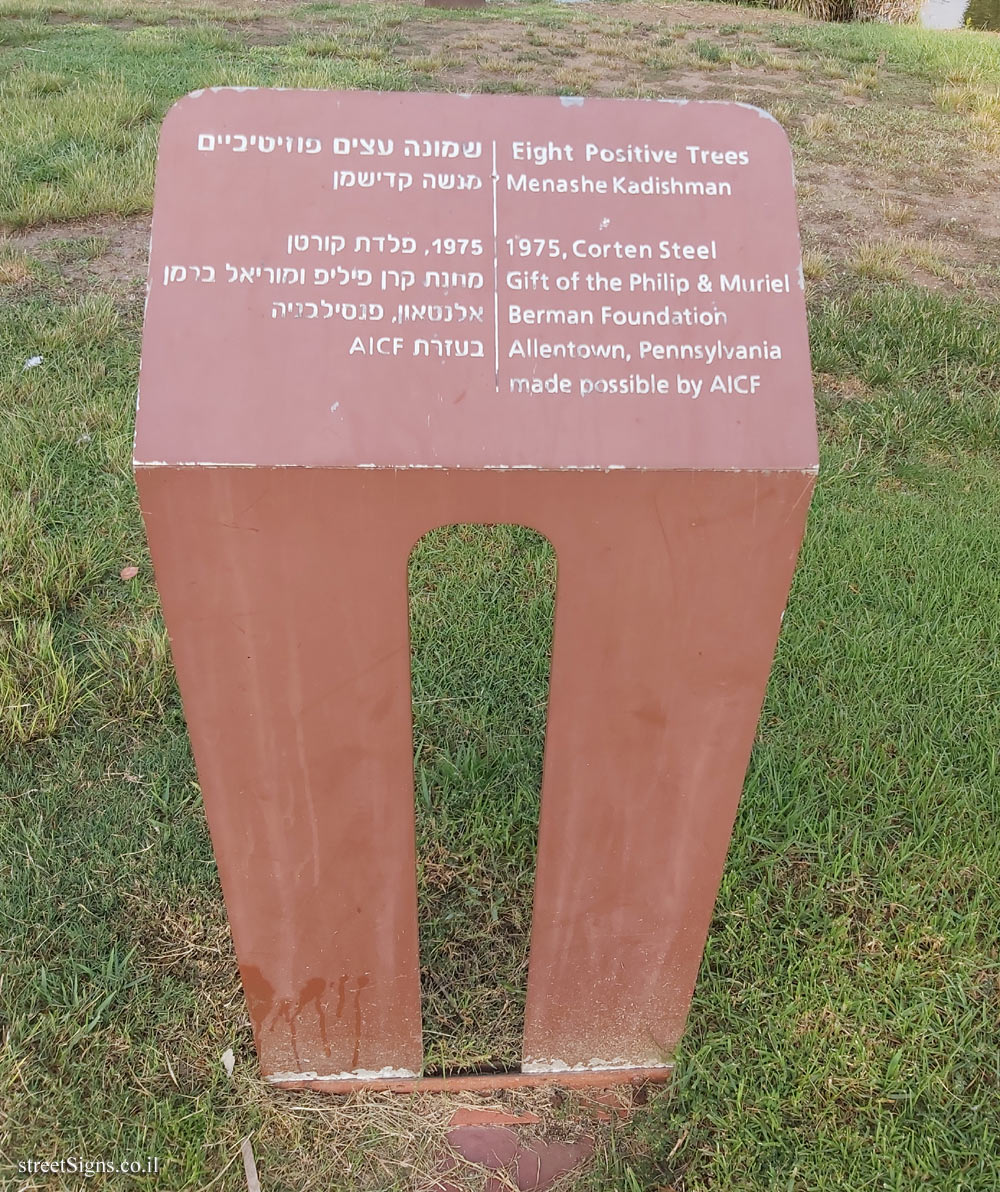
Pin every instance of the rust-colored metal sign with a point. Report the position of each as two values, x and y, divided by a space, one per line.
372 314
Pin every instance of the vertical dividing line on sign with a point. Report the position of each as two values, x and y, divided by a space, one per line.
496 280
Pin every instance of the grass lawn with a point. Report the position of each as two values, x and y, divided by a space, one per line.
844 1033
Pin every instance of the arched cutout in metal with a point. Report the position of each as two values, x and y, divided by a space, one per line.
481 602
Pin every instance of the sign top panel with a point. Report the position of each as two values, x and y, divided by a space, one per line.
370 279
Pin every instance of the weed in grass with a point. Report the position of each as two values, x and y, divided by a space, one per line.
151 40
40 688
706 51
778 62
22 33
633 89
832 68
501 64
614 48
950 98
986 111
744 54
985 141
84 248
40 82
463 44
322 47
665 59
815 264
136 678
212 38
432 65
887 260
782 112
881 260
865 78
15 267
91 321
506 86
574 80
896 213
933 257
805 64
984 126
973 101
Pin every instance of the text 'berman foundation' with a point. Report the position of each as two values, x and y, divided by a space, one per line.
372 314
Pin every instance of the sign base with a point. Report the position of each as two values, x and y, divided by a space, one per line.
487 1082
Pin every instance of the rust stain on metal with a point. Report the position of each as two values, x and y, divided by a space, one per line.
444 309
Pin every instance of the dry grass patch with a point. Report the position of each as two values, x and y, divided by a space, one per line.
383 1140
431 64
844 386
878 260
832 68
15 269
980 106
894 259
816 264
778 62
896 214
575 79
967 98
782 112
933 257
819 125
893 11
634 89
503 64
984 132
189 937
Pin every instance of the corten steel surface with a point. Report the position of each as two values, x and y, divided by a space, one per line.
289 453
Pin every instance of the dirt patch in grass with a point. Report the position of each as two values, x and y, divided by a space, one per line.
103 254
897 188
254 31
880 154
842 206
